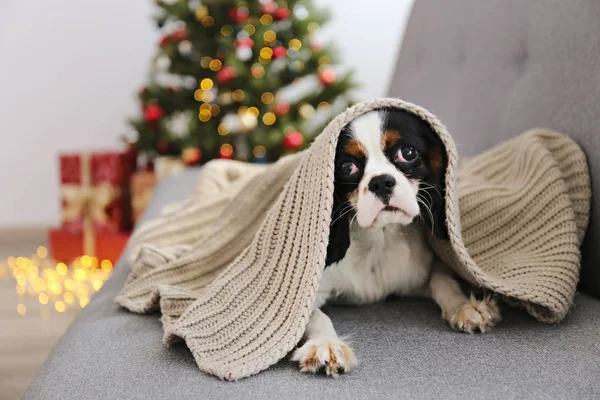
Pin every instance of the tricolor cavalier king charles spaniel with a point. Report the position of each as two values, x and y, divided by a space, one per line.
388 196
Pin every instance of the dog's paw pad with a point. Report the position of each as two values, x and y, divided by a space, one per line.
331 355
474 316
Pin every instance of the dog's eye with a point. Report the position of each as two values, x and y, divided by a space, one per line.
348 168
407 154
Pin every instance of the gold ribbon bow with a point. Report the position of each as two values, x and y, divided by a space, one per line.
87 202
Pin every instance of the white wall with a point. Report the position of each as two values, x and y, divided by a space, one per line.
69 70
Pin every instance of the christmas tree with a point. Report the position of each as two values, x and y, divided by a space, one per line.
238 79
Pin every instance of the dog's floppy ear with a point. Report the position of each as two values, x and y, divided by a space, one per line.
435 188
339 231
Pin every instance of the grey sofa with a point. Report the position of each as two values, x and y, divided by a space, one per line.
490 69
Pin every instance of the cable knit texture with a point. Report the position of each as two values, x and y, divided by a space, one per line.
234 268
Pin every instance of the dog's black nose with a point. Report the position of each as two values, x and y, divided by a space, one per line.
382 186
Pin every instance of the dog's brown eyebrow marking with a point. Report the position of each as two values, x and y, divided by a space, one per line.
435 161
389 139
356 148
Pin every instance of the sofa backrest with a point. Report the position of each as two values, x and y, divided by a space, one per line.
495 68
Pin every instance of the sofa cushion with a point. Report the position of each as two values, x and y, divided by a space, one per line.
405 349
493 69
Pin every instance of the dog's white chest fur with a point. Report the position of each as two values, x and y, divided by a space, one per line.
378 263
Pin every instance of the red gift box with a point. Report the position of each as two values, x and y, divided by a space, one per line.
66 246
94 190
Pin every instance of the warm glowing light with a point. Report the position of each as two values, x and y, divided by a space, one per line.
69 298
269 118
259 151
12 262
206 84
86 261
204 115
266 19
21 289
43 298
324 105
82 292
250 29
263 60
269 36
226 150
215 65
60 306
223 129
205 106
306 110
55 287
208 21
205 62
215 110
324 60
238 95
97 285
201 12
266 52
61 269
42 252
198 94
226 30
267 97
79 275
295 44
21 309
258 71
83 302
106 266
254 111
69 284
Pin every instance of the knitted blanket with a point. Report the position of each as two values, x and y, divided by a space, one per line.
233 269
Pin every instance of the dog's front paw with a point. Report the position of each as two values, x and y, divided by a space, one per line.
329 354
474 316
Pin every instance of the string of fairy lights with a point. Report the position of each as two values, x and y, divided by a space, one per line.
57 287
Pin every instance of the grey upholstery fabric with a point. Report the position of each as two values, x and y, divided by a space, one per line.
492 69
404 347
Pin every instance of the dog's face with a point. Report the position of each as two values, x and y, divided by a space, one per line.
389 169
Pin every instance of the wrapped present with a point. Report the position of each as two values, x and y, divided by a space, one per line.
65 246
142 186
95 194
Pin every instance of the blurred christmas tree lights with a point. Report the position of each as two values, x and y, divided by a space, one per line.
238 79
55 285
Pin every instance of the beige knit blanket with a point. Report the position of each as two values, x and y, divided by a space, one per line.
234 269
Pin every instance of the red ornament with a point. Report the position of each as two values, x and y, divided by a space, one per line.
279 52
165 40
269 8
327 77
180 34
153 113
292 140
163 148
315 46
244 42
282 13
191 155
239 15
282 108
226 74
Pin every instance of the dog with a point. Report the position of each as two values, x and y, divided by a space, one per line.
388 196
